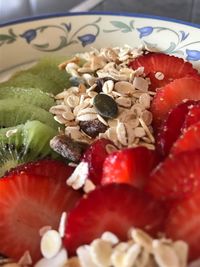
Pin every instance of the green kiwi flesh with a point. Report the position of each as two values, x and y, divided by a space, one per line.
15 111
45 75
24 143
32 96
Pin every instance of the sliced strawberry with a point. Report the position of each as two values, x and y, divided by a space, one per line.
178 91
192 117
183 223
131 166
170 66
189 140
28 203
176 177
171 128
95 156
46 167
115 208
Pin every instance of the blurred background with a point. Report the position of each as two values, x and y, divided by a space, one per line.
187 10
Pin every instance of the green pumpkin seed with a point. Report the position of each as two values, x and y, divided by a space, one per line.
105 106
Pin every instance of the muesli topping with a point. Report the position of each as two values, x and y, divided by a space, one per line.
105 80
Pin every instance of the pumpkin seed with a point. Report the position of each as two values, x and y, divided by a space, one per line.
105 106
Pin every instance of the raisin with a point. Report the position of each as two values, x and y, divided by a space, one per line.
68 148
92 128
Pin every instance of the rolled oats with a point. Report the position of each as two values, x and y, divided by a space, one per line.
143 239
124 88
84 256
141 84
110 148
108 86
101 251
165 255
88 186
110 237
124 102
131 255
122 133
101 119
72 100
72 262
145 100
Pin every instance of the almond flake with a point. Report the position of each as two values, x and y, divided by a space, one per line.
51 243
79 176
44 229
25 259
62 224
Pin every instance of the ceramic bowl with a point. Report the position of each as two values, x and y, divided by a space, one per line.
26 40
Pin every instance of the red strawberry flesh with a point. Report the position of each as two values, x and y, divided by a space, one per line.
171 128
170 66
192 117
176 177
29 203
95 156
176 92
189 140
115 208
131 166
183 223
55 169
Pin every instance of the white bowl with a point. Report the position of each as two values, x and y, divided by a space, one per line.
26 40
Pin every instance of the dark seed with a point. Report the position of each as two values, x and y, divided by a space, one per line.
105 106
75 81
92 128
68 148
100 83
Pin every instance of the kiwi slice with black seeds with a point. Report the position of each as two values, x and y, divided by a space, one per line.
15 111
32 96
45 75
24 143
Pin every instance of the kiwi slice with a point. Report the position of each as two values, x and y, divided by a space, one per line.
45 75
15 111
32 96
24 143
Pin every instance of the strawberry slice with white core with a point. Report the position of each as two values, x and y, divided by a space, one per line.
29 203
162 69
167 97
183 223
115 208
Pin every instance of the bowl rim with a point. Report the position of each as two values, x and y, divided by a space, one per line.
123 14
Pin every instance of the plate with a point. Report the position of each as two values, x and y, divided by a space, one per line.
24 41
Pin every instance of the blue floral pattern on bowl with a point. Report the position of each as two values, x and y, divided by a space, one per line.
180 41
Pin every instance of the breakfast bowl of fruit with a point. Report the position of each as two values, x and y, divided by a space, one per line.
99 142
